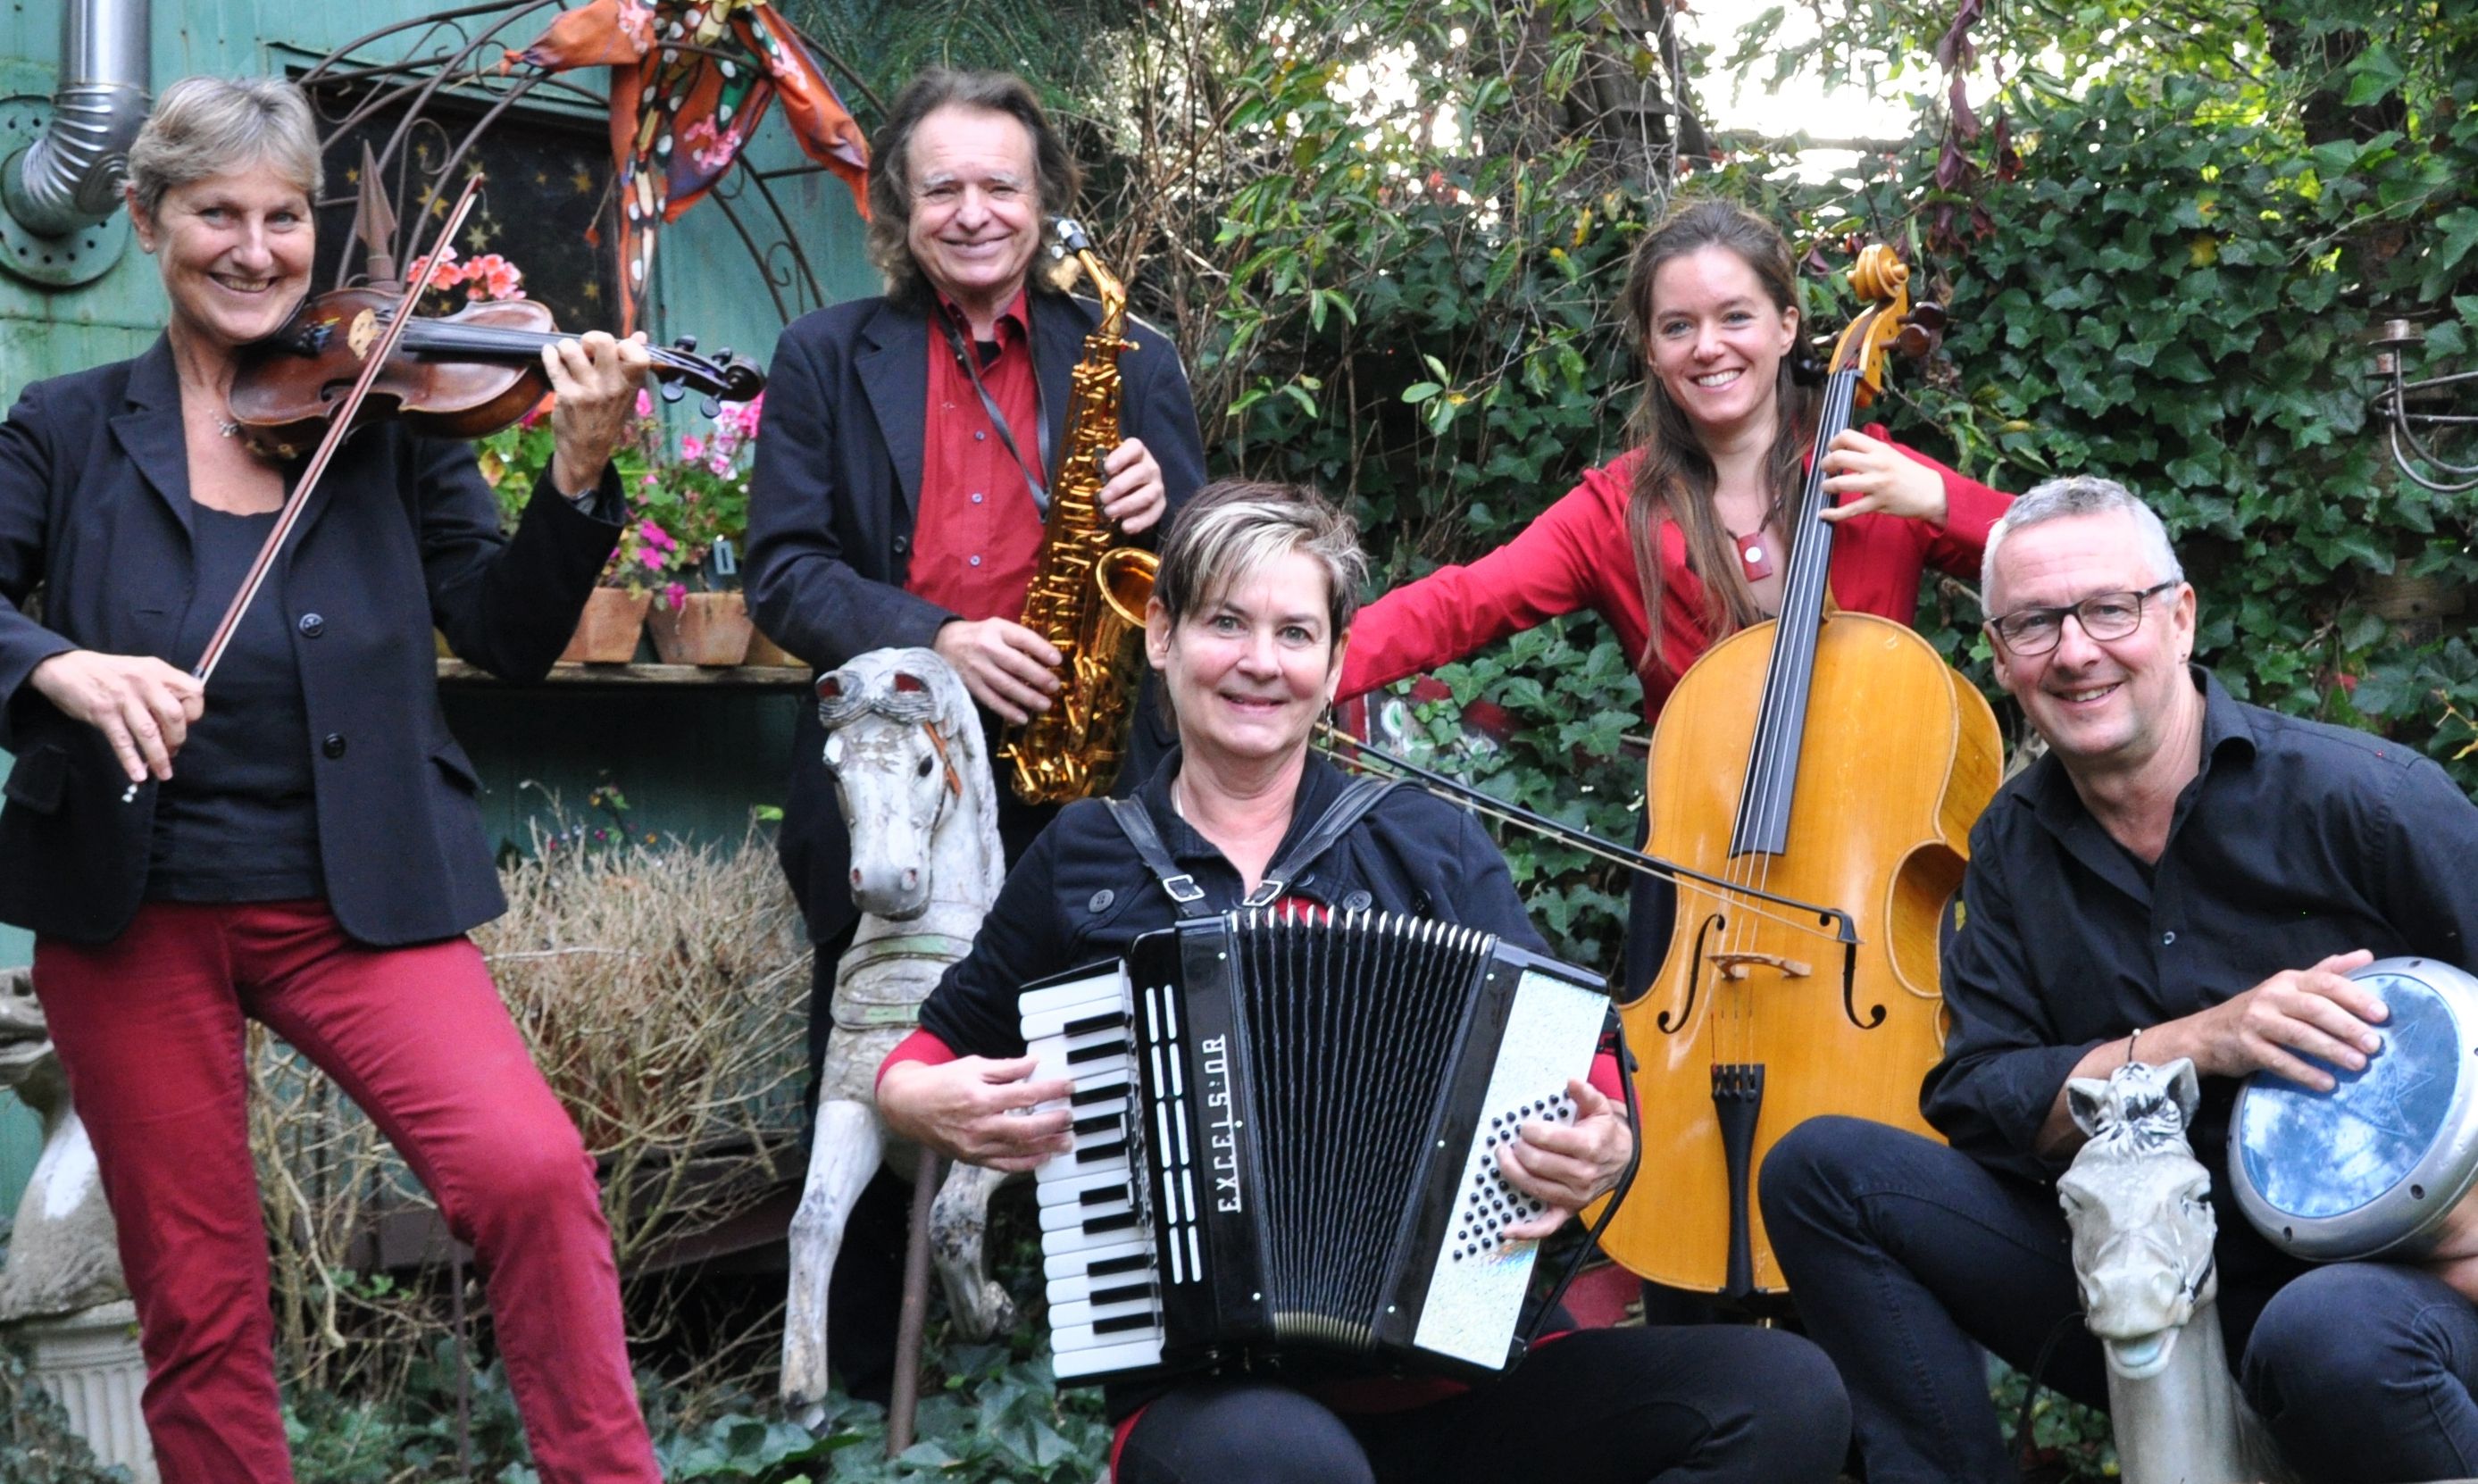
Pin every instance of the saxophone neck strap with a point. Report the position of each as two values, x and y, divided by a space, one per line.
968 358
1359 796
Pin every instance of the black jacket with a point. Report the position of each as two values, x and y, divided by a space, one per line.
836 489
402 534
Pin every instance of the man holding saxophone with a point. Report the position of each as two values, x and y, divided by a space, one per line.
911 442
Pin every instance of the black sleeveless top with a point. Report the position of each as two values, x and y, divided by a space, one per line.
238 821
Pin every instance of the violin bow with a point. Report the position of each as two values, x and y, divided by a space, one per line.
1352 752
340 426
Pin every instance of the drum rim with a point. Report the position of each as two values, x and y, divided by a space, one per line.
2410 1221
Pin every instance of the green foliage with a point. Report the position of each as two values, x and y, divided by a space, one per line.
2170 279
35 1444
2069 1441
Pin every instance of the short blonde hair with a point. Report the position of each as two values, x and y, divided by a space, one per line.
205 126
1234 526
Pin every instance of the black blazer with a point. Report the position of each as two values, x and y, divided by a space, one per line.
836 489
401 536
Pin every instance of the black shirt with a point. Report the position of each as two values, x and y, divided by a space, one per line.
238 822
1080 896
2296 841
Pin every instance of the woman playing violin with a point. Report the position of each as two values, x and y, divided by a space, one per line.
301 845
1690 525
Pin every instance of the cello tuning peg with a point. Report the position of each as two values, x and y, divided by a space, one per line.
673 391
1916 342
711 408
686 345
1928 316
725 355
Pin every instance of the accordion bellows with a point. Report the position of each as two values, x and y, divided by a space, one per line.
1287 1135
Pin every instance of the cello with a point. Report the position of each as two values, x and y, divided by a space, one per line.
1825 756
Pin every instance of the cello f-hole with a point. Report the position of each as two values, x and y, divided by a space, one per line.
1848 993
1694 979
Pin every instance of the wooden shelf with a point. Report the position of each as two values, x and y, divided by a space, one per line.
737 677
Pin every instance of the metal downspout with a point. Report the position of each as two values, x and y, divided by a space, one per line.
69 177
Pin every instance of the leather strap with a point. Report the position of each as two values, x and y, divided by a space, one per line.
1138 826
1359 796
969 360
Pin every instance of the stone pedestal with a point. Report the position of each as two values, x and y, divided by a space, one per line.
89 1361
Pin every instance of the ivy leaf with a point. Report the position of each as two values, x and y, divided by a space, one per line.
2375 75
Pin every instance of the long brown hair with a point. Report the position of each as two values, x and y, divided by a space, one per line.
1676 478
1057 176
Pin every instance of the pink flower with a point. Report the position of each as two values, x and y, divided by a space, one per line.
645 403
692 448
652 559
675 597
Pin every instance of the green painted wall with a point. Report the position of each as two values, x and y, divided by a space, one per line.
691 761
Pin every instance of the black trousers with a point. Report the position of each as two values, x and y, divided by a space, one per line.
1602 1406
1907 1256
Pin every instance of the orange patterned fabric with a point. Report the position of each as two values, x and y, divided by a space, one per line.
682 107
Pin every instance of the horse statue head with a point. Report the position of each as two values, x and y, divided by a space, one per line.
905 745
2139 1206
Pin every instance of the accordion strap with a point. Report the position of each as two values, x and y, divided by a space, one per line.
1359 796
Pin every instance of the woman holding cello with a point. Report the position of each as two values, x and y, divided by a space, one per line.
1691 535
296 842
1690 523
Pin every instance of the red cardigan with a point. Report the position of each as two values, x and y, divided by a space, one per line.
1576 554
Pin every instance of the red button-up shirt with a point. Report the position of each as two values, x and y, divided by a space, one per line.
978 534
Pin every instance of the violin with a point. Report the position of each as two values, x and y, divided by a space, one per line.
465 375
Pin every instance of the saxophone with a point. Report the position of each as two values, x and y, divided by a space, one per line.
1088 593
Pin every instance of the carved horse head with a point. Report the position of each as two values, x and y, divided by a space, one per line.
905 745
27 1064
2140 1209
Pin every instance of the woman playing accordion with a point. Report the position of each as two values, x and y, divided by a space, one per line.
1247 624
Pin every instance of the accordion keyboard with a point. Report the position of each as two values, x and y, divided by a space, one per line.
1105 1312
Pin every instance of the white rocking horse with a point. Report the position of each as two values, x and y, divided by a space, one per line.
904 744
2139 1206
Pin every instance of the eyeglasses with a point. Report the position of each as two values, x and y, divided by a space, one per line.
2103 615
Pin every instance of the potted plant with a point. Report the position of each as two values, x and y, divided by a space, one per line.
700 617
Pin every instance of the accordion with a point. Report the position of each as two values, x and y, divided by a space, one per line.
1285 1135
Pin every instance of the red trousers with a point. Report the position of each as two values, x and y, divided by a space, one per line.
149 1028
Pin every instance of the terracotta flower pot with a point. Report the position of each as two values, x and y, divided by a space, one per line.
606 632
707 628
764 651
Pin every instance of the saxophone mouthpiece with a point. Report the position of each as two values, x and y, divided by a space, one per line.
1070 237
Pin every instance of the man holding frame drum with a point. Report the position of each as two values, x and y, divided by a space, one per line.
2184 875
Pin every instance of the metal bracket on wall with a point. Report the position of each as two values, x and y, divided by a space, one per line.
65 261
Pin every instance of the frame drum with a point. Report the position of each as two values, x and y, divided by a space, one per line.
2373 1165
